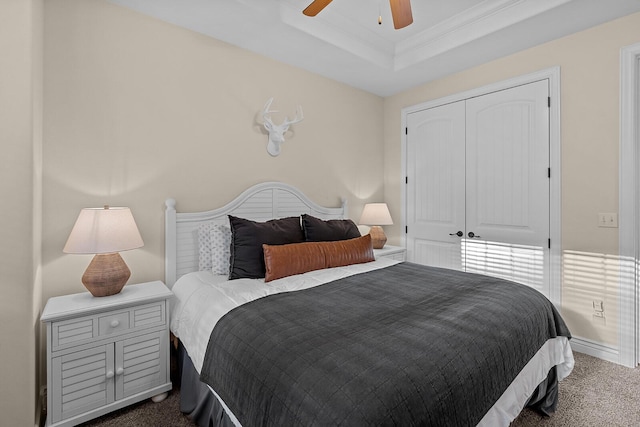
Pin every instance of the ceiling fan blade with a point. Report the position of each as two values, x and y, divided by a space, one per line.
316 7
401 12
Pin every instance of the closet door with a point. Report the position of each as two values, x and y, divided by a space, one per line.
507 185
478 185
435 185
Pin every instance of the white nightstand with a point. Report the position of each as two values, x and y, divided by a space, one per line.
106 353
393 252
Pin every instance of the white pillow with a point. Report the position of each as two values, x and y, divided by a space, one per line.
209 243
220 237
204 246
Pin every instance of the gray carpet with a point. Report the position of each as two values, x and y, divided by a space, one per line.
146 414
597 393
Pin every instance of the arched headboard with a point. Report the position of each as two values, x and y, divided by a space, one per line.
261 202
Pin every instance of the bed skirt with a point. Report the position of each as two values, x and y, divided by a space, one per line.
205 410
196 399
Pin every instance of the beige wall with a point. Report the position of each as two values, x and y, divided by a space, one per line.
138 110
20 136
590 71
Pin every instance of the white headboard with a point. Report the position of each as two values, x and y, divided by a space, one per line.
261 202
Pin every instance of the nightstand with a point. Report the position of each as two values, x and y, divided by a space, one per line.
106 353
393 252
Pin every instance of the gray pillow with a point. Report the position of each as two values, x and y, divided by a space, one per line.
318 230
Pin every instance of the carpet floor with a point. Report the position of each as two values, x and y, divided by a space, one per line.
596 394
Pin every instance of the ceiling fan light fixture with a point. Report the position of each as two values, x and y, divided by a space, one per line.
316 7
401 13
400 10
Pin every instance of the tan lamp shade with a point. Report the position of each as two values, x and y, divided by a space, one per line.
375 215
104 232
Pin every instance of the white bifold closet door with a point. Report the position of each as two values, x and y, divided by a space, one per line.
478 185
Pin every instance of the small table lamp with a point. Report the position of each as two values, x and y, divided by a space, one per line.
104 232
375 215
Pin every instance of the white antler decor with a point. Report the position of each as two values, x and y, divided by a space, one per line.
276 132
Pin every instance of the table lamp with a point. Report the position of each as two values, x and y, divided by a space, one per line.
104 232
375 215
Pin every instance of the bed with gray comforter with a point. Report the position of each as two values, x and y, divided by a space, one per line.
403 345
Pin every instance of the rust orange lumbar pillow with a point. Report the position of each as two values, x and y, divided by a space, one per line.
297 258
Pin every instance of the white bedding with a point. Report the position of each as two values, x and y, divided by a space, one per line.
201 299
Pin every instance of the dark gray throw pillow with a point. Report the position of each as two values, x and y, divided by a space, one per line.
247 238
318 230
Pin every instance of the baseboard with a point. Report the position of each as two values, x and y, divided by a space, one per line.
592 348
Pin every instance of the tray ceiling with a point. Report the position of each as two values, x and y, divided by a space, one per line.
345 42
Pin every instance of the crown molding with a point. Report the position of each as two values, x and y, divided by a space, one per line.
485 18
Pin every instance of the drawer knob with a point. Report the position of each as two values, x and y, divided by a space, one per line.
109 374
114 323
119 371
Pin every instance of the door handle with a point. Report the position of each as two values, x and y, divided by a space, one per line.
472 235
459 234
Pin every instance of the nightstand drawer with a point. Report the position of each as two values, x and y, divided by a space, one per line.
72 331
398 256
391 252
149 315
86 329
111 323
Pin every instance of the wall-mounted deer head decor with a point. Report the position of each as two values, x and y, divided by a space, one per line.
276 132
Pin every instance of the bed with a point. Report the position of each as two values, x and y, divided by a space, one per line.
363 342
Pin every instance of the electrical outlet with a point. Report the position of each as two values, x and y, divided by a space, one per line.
599 318
609 220
598 305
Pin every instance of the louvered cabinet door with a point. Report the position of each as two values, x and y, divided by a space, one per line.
82 381
141 364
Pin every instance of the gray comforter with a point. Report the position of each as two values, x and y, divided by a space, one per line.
404 345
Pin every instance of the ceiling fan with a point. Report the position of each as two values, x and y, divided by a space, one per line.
400 10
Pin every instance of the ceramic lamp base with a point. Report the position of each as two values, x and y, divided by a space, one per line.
106 275
378 238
